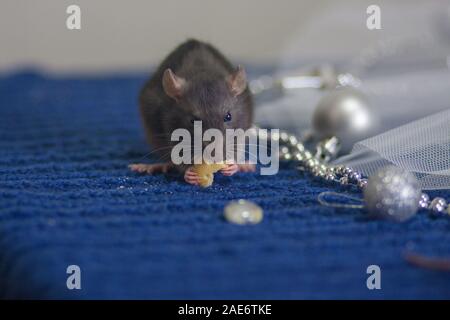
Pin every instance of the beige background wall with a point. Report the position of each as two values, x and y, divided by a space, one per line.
131 34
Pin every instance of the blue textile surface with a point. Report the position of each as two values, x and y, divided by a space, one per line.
67 197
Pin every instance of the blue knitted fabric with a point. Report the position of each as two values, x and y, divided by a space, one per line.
67 197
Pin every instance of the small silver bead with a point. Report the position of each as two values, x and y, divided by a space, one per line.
347 171
339 170
319 174
437 206
311 163
362 183
286 156
293 141
284 150
354 176
298 156
331 170
329 177
300 147
308 155
343 181
327 149
315 170
424 201
284 137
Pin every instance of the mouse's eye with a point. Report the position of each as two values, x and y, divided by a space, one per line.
227 117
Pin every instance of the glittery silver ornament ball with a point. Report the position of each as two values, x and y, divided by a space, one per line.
392 193
243 212
346 114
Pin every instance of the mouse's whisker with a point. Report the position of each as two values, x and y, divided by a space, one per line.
146 156
246 152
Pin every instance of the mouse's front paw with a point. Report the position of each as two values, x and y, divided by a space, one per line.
230 169
191 177
151 168
247 167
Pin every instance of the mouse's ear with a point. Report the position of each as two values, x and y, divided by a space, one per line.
237 81
173 85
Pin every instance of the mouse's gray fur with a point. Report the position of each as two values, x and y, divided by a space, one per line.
207 95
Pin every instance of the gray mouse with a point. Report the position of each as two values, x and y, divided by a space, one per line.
194 82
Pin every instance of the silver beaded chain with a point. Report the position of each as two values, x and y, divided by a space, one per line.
292 150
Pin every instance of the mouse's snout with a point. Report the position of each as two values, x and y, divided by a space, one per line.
217 151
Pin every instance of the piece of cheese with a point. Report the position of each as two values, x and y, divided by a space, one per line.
205 172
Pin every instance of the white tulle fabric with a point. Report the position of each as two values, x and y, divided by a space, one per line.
405 73
421 147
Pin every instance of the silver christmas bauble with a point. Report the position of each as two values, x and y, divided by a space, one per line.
243 212
392 193
346 114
